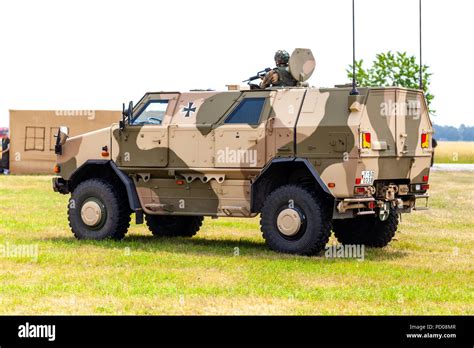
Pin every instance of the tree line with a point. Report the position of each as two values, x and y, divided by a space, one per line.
450 133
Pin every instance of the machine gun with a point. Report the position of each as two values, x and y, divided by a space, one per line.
259 75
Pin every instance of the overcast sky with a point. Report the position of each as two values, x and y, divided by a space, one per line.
97 54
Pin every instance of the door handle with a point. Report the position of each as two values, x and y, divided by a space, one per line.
269 125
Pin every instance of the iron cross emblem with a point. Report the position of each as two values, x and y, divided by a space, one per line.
189 109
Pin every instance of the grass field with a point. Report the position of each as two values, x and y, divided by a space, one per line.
454 152
427 269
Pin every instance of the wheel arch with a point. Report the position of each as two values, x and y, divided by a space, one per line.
282 171
106 169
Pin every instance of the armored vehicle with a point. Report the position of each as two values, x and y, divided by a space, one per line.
308 160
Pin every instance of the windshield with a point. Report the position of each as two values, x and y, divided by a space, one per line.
152 113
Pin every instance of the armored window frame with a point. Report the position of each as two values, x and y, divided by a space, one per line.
243 116
143 109
35 138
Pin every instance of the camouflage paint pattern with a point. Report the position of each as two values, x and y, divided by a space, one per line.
194 163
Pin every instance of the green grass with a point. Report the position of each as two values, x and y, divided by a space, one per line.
427 269
454 152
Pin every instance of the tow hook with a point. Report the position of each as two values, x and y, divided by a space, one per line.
384 211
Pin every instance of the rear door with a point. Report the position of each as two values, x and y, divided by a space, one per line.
379 121
412 121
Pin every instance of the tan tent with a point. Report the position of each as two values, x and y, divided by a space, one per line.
32 135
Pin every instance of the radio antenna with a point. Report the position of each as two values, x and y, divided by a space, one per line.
421 64
354 90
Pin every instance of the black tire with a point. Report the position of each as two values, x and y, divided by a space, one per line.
315 228
367 230
173 226
115 217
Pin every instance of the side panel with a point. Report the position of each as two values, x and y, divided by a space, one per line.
80 149
197 181
188 148
191 135
242 145
327 135
145 145
164 196
280 135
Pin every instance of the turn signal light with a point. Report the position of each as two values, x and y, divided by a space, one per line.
425 187
105 151
371 205
331 185
366 140
425 178
180 182
360 189
57 169
425 140
358 181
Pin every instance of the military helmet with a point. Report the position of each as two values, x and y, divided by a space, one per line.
282 57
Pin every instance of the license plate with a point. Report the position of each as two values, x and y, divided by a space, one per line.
367 177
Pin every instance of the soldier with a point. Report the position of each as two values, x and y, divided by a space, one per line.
5 162
279 76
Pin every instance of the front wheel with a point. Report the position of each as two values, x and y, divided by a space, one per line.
98 211
295 221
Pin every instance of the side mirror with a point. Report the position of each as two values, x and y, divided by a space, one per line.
127 115
61 137
124 115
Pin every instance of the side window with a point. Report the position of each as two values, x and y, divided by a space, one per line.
34 138
152 113
248 111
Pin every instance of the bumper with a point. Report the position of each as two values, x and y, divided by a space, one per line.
60 185
356 206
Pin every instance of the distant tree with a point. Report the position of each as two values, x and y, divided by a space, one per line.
389 69
466 132
450 133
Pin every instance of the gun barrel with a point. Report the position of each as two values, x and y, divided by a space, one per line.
260 74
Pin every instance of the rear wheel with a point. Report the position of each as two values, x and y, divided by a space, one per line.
173 226
295 221
97 210
367 230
